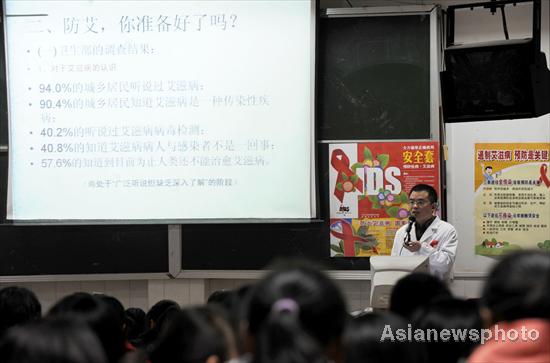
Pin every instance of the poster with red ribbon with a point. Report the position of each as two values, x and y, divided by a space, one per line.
512 197
368 188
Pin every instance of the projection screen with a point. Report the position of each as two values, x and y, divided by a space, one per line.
160 110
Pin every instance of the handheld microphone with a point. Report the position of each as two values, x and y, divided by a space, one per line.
407 239
412 219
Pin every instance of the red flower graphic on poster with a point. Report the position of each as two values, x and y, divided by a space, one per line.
369 185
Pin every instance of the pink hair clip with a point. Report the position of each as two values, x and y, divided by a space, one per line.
285 305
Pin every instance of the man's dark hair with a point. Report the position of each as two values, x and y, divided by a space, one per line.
488 167
432 194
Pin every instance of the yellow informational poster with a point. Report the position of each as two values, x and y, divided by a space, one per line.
512 197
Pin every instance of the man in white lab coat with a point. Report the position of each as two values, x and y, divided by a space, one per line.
426 234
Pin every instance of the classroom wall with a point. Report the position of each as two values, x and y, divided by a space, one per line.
145 293
470 269
462 137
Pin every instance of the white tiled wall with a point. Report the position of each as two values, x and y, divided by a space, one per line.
130 293
144 293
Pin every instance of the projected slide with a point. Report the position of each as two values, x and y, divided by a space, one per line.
160 110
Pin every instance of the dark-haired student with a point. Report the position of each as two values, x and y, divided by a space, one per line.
461 318
428 235
415 291
53 340
134 323
515 306
194 335
99 315
118 308
233 303
370 338
296 314
18 305
157 315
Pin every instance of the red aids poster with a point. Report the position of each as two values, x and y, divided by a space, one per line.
368 187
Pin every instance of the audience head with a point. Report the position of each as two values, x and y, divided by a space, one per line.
222 297
233 303
229 302
416 290
239 316
371 338
450 314
134 323
155 318
18 305
293 312
517 288
194 335
243 293
135 356
115 305
156 312
99 316
52 341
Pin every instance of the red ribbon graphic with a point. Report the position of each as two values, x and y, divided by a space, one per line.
340 162
543 175
348 237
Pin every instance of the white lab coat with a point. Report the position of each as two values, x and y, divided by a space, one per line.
439 241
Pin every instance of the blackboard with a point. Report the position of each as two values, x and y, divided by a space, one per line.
374 77
53 250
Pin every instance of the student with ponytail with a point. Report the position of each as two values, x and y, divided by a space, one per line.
295 315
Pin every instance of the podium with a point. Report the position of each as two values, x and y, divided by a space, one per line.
386 271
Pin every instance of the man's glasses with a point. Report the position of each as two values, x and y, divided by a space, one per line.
418 202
